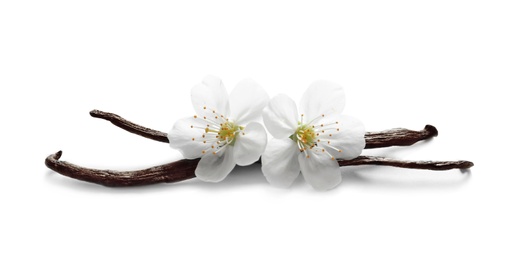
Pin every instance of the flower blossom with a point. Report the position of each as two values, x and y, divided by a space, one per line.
224 132
312 141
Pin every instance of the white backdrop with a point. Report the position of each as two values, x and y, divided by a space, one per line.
459 65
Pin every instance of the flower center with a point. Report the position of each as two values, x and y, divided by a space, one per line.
309 135
228 131
305 136
219 132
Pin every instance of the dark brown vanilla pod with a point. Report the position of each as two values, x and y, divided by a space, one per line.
423 165
130 126
171 172
185 169
392 137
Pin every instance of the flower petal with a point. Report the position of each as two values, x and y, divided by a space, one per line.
215 167
250 144
320 170
279 162
322 97
281 116
185 138
344 140
247 101
210 94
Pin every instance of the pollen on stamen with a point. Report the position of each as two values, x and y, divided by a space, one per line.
214 152
318 140
330 135
323 150
340 151
338 129
203 142
329 142
203 151
333 158
213 146
193 139
204 117
195 116
322 115
191 126
203 107
243 133
213 111
307 156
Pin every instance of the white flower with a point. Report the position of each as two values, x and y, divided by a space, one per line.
311 141
224 132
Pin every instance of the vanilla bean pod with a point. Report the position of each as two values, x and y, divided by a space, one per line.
185 169
392 137
425 165
171 172
130 126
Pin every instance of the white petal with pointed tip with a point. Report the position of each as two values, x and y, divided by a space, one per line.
349 138
250 144
247 101
281 116
181 137
215 167
322 97
279 162
320 170
210 93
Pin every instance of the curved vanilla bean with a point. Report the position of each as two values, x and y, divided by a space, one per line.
171 172
426 165
185 169
398 137
130 126
392 137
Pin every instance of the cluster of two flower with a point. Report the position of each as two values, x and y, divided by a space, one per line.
226 131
